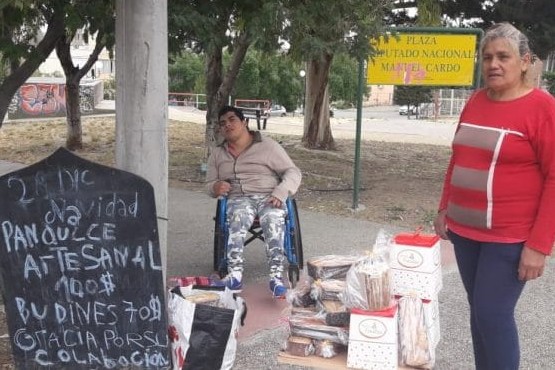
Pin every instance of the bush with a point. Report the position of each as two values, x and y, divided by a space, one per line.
109 89
342 104
549 78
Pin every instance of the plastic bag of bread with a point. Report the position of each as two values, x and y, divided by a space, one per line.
299 346
327 290
329 266
301 295
327 349
414 344
313 313
368 282
335 313
317 329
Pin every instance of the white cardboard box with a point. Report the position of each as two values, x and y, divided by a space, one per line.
415 261
373 343
423 285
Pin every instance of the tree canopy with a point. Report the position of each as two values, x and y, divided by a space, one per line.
317 30
533 17
22 44
218 27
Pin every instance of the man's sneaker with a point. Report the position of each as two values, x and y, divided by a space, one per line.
278 289
230 282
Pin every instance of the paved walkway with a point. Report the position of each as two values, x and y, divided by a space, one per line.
190 248
375 125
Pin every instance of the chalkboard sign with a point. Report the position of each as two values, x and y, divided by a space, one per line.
80 259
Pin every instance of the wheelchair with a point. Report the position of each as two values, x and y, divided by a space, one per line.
293 247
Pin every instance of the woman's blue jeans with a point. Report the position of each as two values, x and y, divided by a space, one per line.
489 272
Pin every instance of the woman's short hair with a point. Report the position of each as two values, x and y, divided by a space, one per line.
515 38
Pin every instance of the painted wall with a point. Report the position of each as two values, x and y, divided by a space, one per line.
380 95
46 97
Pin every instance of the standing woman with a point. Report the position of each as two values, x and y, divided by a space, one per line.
497 206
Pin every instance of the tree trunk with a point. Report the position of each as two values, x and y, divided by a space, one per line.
317 130
214 71
437 103
74 139
218 85
18 76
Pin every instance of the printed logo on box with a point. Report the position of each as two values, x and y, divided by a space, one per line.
410 259
372 328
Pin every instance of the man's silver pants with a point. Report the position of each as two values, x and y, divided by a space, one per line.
241 212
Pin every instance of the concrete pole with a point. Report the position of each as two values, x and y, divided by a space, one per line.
142 99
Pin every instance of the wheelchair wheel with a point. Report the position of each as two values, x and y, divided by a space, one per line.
294 275
296 238
295 257
220 236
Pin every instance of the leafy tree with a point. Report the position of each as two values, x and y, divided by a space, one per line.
273 76
91 18
22 21
412 95
185 73
429 13
343 81
533 17
218 27
281 74
549 78
317 30
21 54
250 79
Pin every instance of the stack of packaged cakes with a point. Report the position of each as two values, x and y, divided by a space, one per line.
382 306
318 320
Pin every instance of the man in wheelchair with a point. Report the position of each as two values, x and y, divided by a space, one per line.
257 176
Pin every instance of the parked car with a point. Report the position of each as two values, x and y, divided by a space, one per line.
408 109
277 110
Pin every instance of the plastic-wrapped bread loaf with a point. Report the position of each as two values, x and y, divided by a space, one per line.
415 348
368 284
336 313
208 298
306 312
299 346
301 295
317 329
327 349
329 266
378 288
326 290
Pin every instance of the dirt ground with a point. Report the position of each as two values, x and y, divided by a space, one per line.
400 183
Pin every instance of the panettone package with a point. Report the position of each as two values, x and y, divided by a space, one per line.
368 281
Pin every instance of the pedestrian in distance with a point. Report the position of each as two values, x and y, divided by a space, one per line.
497 205
257 176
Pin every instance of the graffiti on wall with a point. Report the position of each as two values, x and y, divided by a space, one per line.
86 99
39 99
47 100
